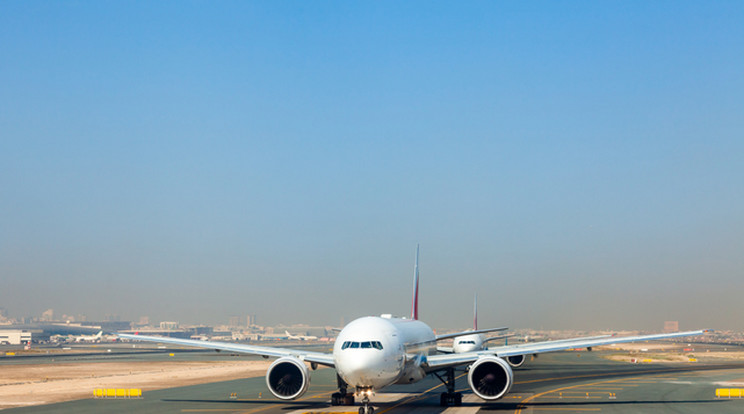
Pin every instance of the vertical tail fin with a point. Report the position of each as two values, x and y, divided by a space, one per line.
414 305
475 312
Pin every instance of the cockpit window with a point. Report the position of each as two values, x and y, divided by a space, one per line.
365 345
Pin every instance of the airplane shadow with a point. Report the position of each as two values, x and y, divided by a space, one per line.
296 405
564 405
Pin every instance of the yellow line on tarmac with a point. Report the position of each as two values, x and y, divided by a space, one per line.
528 399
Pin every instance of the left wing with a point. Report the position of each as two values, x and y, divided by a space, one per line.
321 358
437 362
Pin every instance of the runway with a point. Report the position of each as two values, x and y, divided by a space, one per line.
554 383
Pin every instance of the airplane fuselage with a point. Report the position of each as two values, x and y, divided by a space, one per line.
373 352
468 343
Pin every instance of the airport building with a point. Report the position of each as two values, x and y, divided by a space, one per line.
14 336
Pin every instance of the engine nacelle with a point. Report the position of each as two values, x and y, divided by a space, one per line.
516 361
490 378
288 378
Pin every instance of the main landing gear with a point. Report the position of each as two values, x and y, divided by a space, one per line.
342 397
450 397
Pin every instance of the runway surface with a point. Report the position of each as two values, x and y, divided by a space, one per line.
554 383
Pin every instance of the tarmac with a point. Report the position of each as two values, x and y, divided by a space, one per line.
553 383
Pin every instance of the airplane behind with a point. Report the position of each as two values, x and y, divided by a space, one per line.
300 337
475 339
374 352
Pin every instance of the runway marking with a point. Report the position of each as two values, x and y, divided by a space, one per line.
421 396
544 393
468 398
565 409
252 410
632 382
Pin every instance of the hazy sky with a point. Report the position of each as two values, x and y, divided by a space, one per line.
578 164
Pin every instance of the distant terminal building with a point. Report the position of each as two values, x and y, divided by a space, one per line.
107 326
168 325
171 333
14 336
671 326
203 330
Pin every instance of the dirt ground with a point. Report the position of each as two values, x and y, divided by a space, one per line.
659 353
34 384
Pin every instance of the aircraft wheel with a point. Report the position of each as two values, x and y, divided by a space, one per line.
443 400
458 399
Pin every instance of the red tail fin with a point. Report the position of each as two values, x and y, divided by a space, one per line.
475 313
414 305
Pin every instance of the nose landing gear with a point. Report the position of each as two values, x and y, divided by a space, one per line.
366 408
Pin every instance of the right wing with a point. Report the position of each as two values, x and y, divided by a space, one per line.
321 358
493 338
471 332
587 342
438 362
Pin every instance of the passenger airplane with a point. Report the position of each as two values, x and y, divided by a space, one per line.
374 352
88 338
472 341
300 337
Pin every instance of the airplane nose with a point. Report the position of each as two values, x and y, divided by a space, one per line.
366 369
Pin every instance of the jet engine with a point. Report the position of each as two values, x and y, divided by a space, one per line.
288 378
490 378
515 361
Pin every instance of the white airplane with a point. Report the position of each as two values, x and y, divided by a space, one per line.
374 352
88 338
300 337
474 340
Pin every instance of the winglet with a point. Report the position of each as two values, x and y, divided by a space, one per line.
414 304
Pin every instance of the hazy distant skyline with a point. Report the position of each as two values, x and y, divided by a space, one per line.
578 164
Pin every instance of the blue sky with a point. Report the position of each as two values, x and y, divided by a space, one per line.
579 164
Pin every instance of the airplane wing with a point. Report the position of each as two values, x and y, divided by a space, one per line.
493 338
437 362
556 341
321 358
479 331
549 346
